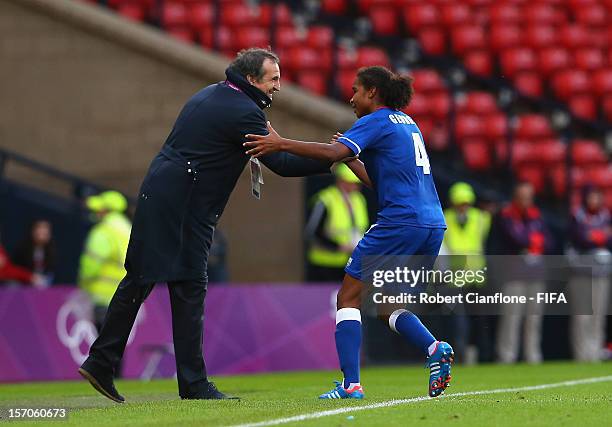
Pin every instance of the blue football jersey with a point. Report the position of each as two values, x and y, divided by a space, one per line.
393 151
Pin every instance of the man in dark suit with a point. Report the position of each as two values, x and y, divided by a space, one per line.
180 201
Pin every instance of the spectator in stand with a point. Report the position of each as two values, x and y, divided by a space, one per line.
37 252
590 245
524 239
11 273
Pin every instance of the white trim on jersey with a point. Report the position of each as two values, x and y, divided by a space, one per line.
352 142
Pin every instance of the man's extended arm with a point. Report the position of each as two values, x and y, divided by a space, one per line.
261 145
286 164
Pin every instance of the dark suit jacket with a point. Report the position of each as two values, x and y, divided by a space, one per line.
189 182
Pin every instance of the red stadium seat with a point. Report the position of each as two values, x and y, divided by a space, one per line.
455 14
432 40
427 81
201 15
287 37
478 102
571 82
334 7
420 16
439 104
540 36
303 59
225 40
476 155
588 153
592 15
589 59
574 37
246 37
237 14
174 15
529 83
533 126
437 136
468 37
551 152
523 152
320 37
496 126
313 81
384 20
505 13
419 105
468 126
602 82
601 176
542 14
505 36
553 59
515 60
479 62
367 56
283 15
583 106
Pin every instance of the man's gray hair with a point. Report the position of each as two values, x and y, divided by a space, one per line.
249 62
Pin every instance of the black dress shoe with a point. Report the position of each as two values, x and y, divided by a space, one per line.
212 393
103 384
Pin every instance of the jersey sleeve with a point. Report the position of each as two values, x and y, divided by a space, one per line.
362 134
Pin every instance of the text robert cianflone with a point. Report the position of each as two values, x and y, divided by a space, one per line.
469 298
412 277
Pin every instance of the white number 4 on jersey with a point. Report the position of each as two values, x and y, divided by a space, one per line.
420 154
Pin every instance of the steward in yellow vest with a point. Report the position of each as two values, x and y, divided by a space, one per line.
467 229
338 220
102 262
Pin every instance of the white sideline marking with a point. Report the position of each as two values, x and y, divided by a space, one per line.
389 403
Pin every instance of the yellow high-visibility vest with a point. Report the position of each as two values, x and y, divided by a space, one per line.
467 239
101 267
339 226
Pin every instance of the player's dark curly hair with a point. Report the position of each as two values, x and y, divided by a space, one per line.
394 90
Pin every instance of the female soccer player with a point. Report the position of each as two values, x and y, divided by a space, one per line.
409 220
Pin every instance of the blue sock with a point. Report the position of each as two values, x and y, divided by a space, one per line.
348 343
410 327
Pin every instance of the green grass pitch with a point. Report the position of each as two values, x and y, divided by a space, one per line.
273 396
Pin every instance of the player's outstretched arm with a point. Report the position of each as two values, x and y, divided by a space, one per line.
260 145
359 170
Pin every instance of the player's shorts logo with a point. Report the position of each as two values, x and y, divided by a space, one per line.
348 263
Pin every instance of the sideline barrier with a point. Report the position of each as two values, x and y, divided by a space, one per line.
46 334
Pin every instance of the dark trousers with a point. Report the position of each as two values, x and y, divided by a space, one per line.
187 304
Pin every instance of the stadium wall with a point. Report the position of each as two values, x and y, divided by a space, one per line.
95 95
